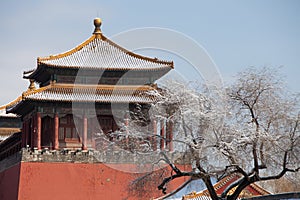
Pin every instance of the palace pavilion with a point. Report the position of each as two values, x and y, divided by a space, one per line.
51 131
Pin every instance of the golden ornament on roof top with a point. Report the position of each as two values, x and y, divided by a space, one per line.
97 23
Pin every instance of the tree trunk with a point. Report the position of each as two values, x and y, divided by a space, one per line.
210 188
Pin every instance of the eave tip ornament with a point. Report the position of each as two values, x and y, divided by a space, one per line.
97 23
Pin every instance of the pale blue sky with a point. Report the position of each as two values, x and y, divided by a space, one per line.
236 34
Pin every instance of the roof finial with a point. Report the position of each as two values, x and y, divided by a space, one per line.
97 23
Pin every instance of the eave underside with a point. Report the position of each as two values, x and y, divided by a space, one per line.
45 73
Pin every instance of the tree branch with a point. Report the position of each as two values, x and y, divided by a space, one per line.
242 184
162 186
232 185
284 170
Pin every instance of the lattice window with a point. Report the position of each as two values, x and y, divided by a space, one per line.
67 129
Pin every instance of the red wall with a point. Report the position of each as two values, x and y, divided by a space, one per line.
9 182
79 181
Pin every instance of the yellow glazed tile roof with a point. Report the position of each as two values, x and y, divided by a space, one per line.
100 52
88 93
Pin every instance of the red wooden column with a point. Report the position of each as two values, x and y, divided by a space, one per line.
84 136
93 128
32 131
56 129
24 134
167 135
162 135
38 130
126 122
154 135
28 133
170 136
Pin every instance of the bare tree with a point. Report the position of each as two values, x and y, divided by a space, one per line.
252 128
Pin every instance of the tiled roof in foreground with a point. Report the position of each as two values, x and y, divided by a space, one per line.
100 52
89 93
6 132
250 191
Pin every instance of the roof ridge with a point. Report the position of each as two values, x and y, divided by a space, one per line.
69 52
11 103
137 55
30 92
